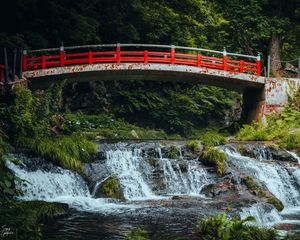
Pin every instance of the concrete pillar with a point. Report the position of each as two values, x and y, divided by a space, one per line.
253 104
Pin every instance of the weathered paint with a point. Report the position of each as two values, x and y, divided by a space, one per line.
267 95
277 91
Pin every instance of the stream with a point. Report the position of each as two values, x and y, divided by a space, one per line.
163 195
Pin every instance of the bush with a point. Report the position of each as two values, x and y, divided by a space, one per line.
222 228
172 152
211 139
216 158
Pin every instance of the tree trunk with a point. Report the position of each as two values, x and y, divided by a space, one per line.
275 54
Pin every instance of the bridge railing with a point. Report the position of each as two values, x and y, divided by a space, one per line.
132 53
2 71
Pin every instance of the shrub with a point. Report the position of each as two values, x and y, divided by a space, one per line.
222 228
216 158
211 139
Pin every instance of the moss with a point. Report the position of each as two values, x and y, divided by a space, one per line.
172 152
275 202
66 151
193 146
111 188
211 139
216 158
249 182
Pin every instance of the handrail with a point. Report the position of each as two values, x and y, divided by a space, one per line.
117 55
142 45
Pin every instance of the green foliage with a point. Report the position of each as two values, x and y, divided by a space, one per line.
222 228
275 202
173 152
24 218
249 182
193 146
176 108
277 126
138 234
290 141
216 158
107 126
211 139
66 151
111 188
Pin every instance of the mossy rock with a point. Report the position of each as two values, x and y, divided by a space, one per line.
172 153
111 188
275 202
250 184
216 158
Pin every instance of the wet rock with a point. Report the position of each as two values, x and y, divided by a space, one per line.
280 154
110 188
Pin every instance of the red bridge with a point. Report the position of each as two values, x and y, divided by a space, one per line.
123 53
232 71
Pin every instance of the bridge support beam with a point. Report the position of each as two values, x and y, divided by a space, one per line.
253 104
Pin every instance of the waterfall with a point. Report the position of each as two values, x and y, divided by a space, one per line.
51 183
262 215
125 165
134 173
276 177
190 181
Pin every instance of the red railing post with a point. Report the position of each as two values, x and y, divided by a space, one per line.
146 56
172 54
90 57
224 59
198 60
118 56
62 56
43 62
24 63
258 65
241 66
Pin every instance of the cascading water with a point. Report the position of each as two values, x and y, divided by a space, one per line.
51 183
134 173
276 177
282 180
125 165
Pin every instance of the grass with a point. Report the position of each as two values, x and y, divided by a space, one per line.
67 151
107 126
211 139
216 158
291 141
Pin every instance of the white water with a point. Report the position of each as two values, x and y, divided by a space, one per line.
134 174
276 177
60 185
282 180
262 216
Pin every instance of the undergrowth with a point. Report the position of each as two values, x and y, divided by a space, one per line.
216 158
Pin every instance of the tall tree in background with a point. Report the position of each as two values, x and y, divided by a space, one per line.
270 26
